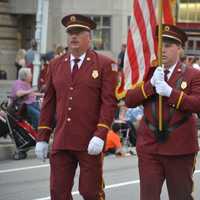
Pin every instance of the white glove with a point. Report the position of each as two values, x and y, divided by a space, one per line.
158 75
95 146
163 89
41 150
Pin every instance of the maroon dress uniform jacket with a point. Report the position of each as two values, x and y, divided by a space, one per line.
84 107
186 99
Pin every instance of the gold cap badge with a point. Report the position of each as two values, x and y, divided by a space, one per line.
167 28
95 74
183 85
73 18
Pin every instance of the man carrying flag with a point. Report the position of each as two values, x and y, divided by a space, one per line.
167 154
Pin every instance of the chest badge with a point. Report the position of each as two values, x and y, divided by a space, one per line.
95 74
183 85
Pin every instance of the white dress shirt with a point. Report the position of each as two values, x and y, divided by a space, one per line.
171 69
72 58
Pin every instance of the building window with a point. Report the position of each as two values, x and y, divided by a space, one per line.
188 1
102 33
198 45
190 45
129 20
189 11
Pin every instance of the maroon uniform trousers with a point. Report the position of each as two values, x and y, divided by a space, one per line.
171 159
176 170
63 167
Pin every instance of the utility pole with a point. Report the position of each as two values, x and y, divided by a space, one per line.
40 36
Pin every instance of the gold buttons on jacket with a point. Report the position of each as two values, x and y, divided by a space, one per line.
70 98
69 108
68 119
71 88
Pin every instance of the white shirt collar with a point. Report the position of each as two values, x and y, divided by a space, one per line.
72 57
171 69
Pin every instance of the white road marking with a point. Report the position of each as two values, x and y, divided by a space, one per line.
75 192
22 168
107 187
110 186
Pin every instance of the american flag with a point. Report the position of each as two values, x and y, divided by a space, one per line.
141 43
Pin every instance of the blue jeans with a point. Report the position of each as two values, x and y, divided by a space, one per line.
33 112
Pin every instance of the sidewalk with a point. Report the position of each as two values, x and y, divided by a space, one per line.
7 148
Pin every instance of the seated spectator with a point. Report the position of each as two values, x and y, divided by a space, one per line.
134 115
113 144
22 89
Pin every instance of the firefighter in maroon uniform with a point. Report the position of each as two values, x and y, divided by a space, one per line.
168 154
80 96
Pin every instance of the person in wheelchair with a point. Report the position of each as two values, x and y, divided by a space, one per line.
23 94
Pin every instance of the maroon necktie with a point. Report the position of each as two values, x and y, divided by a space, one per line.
75 67
166 72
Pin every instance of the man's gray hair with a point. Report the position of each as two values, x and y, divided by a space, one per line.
23 73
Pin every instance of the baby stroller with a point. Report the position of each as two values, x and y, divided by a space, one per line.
20 131
127 132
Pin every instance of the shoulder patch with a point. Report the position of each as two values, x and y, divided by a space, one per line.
114 67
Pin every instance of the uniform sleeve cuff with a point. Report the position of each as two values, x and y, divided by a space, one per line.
43 134
102 130
149 89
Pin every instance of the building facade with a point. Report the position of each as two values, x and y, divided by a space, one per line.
18 24
188 18
111 16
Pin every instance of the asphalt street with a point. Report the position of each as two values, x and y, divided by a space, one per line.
29 179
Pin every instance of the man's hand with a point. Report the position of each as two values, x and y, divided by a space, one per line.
95 146
163 89
158 75
41 150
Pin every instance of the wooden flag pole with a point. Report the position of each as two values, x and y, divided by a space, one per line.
160 10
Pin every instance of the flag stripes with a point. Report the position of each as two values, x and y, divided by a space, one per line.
141 48
141 42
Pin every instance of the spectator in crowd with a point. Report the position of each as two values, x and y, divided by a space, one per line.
22 89
45 59
121 57
30 55
80 90
196 63
20 60
60 50
183 59
189 61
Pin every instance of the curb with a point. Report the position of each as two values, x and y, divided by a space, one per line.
7 151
